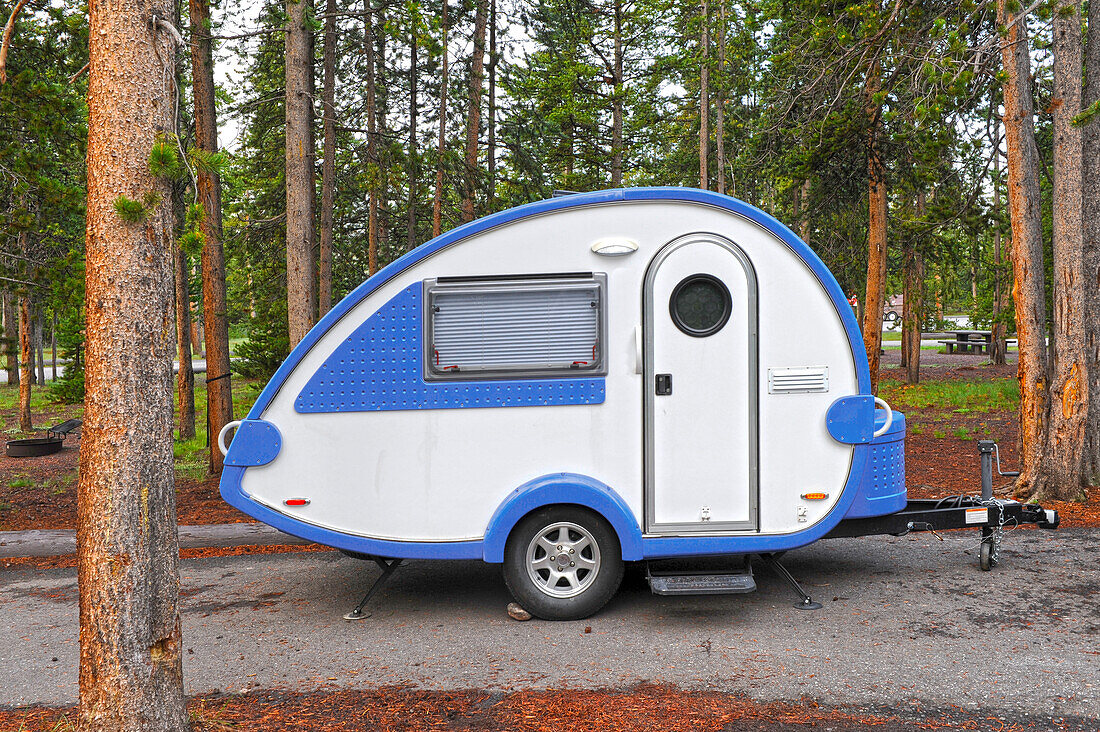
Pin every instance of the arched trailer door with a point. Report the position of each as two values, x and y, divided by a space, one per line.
700 382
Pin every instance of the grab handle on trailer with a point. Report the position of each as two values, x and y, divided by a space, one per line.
221 436
639 358
889 418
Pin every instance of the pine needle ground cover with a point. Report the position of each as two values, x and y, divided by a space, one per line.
664 708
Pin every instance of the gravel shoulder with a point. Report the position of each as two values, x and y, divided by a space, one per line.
908 623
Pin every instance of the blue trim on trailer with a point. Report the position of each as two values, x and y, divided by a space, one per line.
233 495
380 367
788 237
255 442
882 491
851 419
557 489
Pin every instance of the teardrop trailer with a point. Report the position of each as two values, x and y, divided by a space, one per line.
652 374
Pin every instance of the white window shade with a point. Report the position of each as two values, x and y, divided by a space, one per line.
530 327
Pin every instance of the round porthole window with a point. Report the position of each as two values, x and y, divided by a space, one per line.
700 305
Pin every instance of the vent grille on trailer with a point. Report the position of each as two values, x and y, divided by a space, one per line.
798 381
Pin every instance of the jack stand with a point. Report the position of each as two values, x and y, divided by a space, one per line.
807 603
388 567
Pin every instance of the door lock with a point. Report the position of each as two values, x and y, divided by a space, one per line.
664 384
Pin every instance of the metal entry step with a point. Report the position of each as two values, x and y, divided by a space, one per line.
667 579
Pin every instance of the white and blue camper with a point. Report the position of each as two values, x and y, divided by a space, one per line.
627 375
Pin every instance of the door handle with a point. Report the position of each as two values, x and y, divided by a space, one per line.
664 384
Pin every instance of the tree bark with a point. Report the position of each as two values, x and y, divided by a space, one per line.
219 388
1091 216
473 113
131 675
53 347
299 173
704 94
804 224
720 100
11 339
1025 214
38 346
185 378
372 138
441 147
617 100
491 150
1069 386
26 361
912 302
874 301
999 343
328 165
413 168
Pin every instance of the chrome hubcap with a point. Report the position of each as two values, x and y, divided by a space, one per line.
563 560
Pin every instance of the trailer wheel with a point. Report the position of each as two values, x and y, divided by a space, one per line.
563 563
985 556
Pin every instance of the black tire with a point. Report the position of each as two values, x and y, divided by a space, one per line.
592 592
985 556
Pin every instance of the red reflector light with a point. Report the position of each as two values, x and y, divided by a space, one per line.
296 502
814 496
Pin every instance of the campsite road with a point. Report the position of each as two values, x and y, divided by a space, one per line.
908 622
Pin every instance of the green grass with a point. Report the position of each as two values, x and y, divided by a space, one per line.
916 429
962 433
190 455
961 397
939 434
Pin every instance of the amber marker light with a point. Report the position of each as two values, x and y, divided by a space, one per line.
814 496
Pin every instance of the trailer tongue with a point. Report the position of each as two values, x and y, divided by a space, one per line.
991 516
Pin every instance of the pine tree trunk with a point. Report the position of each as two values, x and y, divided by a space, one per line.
617 100
473 112
720 100
328 165
491 148
999 344
441 147
413 168
1091 216
1025 214
804 225
185 378
219 387
38 346
53 347
1069 392
875 299
704 94
26 362
196 322
372 138
299 173
912 303
11 340
131 675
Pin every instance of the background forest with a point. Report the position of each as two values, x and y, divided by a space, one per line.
875 130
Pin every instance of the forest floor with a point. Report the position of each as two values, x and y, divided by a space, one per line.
648 707
961 399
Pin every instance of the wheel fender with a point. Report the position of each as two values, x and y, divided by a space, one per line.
563 488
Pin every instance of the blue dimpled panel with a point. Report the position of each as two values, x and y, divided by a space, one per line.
379 368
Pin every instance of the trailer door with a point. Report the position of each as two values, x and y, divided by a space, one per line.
700 331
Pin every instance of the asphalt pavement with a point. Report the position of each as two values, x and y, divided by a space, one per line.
909 623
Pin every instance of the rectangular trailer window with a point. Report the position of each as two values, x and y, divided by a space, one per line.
521 326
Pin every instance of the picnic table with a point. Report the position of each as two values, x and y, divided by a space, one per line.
970 341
